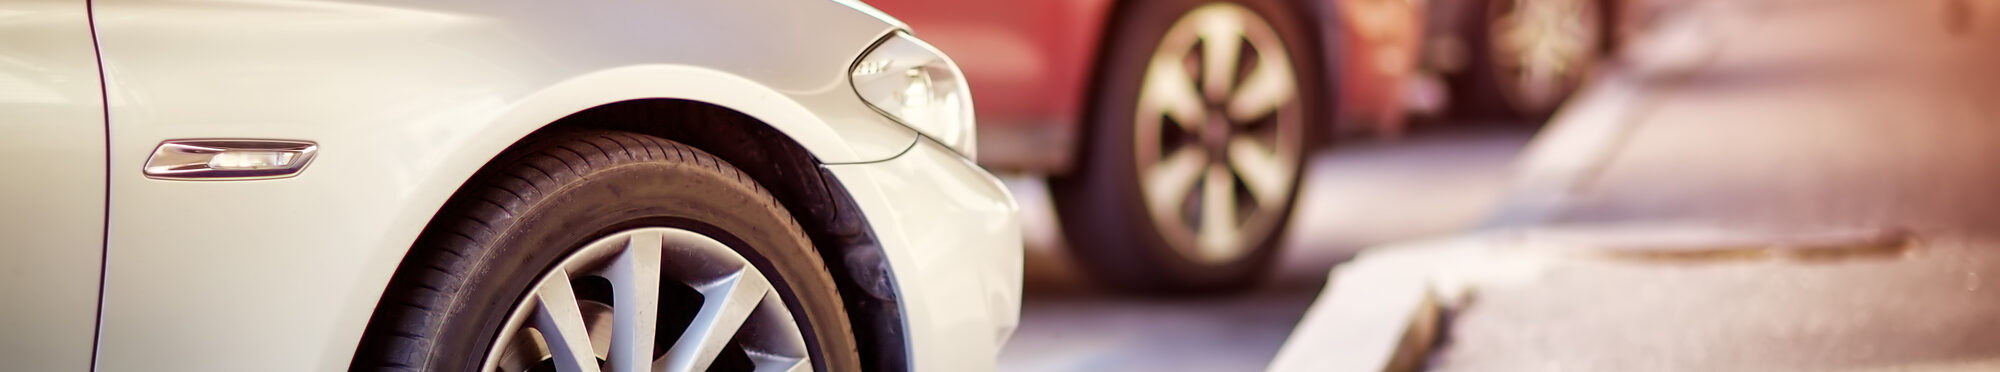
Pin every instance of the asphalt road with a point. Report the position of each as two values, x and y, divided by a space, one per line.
1355 196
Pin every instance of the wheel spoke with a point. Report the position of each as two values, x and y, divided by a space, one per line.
1173 178
1217 231
1222 43
635 283
772 363
1575 37
561 324
740 311
1269 86
531 351
726 304
1515 39
1170 89
1264 172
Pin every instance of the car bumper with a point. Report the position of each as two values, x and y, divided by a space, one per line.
952 236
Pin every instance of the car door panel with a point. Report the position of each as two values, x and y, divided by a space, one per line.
52 193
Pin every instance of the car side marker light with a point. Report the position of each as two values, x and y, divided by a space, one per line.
229 159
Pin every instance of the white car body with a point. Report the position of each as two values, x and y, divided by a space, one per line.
105 268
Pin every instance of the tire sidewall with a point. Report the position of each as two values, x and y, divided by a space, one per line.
692 196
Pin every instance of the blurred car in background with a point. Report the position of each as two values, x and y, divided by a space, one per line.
1516 59
1174 131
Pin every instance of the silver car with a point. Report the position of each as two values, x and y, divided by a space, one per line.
312 185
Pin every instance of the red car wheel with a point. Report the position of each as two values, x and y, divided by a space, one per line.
1195 144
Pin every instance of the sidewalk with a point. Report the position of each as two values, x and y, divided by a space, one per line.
1660 298
1817 193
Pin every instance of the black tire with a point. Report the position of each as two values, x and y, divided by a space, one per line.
547 197
1107 224
1484 91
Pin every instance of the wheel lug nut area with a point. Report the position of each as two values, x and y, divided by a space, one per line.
1215 135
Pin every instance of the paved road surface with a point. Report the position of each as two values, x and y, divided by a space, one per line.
1356 196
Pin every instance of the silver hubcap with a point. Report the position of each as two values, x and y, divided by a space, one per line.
1546 47
1220 132
564 324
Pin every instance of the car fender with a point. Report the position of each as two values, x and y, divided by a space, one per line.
405 101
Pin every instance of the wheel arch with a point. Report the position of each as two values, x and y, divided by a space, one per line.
823 206
743 123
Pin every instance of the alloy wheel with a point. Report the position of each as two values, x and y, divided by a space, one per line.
1544 48
1220 131
600 308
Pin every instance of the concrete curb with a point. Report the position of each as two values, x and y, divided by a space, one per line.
1384 311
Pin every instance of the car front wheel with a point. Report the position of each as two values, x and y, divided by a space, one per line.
613 251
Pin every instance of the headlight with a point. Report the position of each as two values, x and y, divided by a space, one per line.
913 83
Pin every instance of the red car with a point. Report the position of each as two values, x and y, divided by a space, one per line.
1175 132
